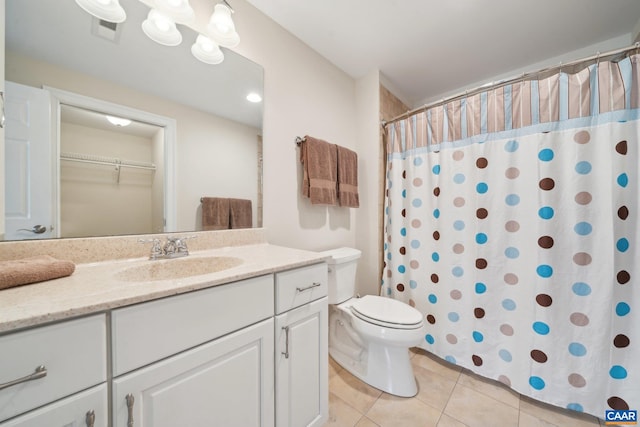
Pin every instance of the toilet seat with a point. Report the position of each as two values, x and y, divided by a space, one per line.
386 312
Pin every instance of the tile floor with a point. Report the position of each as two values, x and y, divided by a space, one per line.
449 396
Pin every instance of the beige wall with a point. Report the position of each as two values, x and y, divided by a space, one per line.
2 130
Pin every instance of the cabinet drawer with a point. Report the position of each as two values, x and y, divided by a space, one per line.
147 332
300 286
73 354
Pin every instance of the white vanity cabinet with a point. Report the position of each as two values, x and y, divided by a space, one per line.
301 326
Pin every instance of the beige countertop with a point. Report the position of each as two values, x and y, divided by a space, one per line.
96 287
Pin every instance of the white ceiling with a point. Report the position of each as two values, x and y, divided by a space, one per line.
426 48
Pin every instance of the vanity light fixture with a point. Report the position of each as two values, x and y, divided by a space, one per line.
107 10
118 121
180 10
221 26
206 50
161 29
254 97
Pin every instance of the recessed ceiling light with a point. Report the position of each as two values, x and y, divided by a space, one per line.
118 121
254 97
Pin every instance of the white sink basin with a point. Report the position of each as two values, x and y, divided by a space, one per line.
177 268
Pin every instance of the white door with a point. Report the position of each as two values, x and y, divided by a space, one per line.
29 163
302 391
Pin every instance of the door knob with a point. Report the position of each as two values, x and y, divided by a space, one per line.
37 229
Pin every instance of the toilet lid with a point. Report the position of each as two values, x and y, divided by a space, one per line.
386 312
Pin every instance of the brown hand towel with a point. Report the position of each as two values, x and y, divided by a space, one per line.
33 269
215 213
348 178
320 171
240 213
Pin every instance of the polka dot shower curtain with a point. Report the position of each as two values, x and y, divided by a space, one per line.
511 223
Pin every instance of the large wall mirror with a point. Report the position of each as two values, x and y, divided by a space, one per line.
193 132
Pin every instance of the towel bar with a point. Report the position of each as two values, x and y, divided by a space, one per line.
300 140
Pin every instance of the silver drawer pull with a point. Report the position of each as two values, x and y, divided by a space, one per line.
130 401
286 342
40 372
90 418
315 285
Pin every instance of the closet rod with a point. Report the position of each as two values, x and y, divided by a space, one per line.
501 83
83 158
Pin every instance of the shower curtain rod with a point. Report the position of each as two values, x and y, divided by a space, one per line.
502 83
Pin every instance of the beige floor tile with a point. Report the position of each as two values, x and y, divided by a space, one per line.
528 420
356 393
435 364
558 416
341 414
447 421
392 411
433 389
491 388
366 422
476 409
334 367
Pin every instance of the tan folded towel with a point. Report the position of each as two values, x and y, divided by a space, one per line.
348 178
33 269
215 213
320 171
240 213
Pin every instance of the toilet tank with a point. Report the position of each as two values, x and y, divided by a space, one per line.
342 273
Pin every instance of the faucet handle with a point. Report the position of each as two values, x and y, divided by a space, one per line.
181 244
156 248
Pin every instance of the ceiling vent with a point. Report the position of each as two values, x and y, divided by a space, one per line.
106 30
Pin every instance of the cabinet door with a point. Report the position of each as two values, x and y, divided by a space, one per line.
302 391
226 382
88 408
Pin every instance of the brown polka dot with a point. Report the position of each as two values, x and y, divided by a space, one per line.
621 341
482 213
404 174
579 319
435 278
617 403
403 213
412 303
506 330
458 248
544 300
417 182
623 277
582 258
504 380
511 279
583 198
547 184
545 242
481 263
623 212
458 155
539 356
455 294
436 235
452 339
582 137
414 264
458 202
512 173
477 360
478 312
436 191
512 226
621 147
416 223
400 287
577 380
402 250
389 273
482 163
431 319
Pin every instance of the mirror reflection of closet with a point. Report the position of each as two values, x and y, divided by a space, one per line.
111 175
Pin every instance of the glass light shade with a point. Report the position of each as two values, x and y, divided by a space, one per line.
118 121
161 29
221 27
207 51
180 10
107 10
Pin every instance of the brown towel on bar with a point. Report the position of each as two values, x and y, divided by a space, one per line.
320 171
33 269
215 213
240 213
348 178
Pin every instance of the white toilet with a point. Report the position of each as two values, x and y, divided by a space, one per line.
370 336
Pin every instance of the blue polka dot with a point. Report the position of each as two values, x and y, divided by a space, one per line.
450 359
481 238
436 213
508 304
433 299
536 382
415 244
541 328
546 155
453 316
545 212
435 256
481 288
417 161
403 231
512 253
404 193
429 338
389 255
511 146
436 169
482 187
401 269
622 309
505 355
413 284
457 271
458 225
583 228
623 180
575 407
458 178
544 270
583 168
622 245
512 199
416 203
618 372
581 289
577 349
477 336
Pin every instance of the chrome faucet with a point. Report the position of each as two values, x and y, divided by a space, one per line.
173 247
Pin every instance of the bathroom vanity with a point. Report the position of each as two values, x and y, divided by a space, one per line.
115 345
